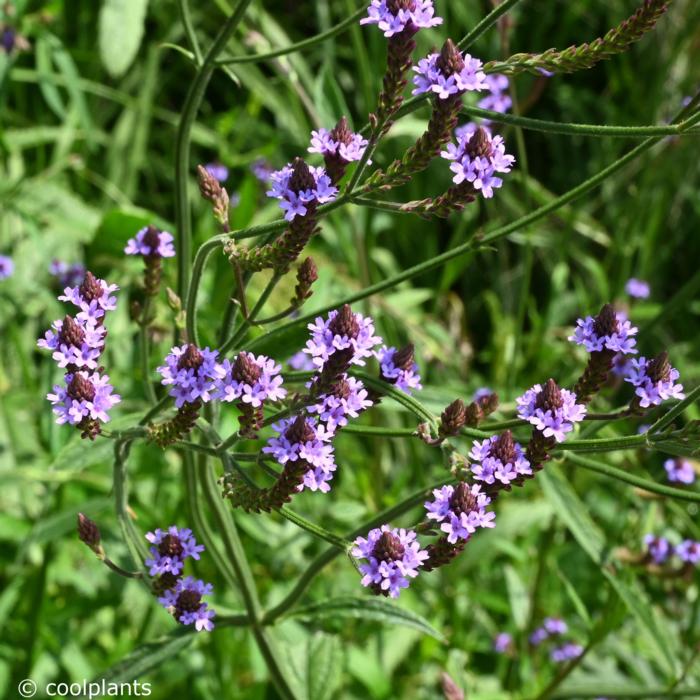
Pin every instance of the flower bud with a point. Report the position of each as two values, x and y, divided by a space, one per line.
89 533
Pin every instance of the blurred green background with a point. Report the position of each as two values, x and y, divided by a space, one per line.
87 155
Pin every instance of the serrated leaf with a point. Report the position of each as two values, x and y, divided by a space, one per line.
372 609
121 27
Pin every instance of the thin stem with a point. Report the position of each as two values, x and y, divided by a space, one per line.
563 674
314 529
122 572
144 352
189 30
486 23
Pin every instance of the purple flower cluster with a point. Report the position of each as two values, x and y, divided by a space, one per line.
85 396
191 373
617 335
309 441
553 415
498 99
151 243
75 343
503 643
551 627
566 652
67 274
393 557
679 471
326 339
407 380
7 267
301 362
654 380
218 171
350 149
396 16
94 297
638 289
432 76
262 170
476 158
250 379
658 548
185 603
688 551
296 202
347 400
170 548
460 510
498 458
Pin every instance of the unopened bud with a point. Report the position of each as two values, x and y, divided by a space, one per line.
89 533
453 418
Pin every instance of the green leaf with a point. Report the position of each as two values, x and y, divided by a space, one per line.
324 663
121 27
518 597
360 608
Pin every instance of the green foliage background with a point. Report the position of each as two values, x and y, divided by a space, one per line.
87 143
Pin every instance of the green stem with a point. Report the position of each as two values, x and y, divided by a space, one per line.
486 23
676 411
314 529
144 352
189 30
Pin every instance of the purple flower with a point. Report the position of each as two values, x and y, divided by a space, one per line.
262 170
538 636
461 510
301 362
170 549
621 365
688 551
251 380
8 40
191 373
609 330
477 157
7 267
639 289
298 185
482 393
75 343
341 330
347 400
151 243
67 275
393 556
93 297
655 380
350 149
567 652
498 100
499 458
217 171
85 396
503 642
553 411
555 625
395 16
399 368
679 470
446 78
184 601
658 548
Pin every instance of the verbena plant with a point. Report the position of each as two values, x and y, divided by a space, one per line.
251 436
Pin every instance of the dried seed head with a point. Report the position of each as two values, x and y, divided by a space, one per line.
170 546
299 431
209 187
345 323
659 369
90 289
550 398
71 332
88 531
503 448
405 357
605 322
388 548
479 145
191 358
474 414
450 60
245 369
453 418
301 178
488 404
80 388
341 132
462 499
307 273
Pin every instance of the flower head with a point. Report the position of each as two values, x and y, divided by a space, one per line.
191 373
76 344
658 548
477 157
262 170
461 510
396 16
680 470
217 171
503 642
638 289
393 556
555 625
655 380
85 396
498 99
499 458
398 367
67 275
688 551
301 362
339 142
609 330
553 411
151 243
93 297
567 652
7 267
347 399
251 380
185 603
170 549
448 73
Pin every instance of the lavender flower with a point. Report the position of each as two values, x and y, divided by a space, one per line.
499 458
393 556
297 193
555 625
567 652
218 171
503 643
347 399
184 601
609 330
191 373
150 242
395 16
688 551
340 142
251 380
538 636
461 510
498 99
435 75
639 289
7 267
75 343
398 368
93 297
301 362
658 548
262 170
170 549
84 396
655 380
553 411
477 157
67 275
482 393
679 470
340 332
